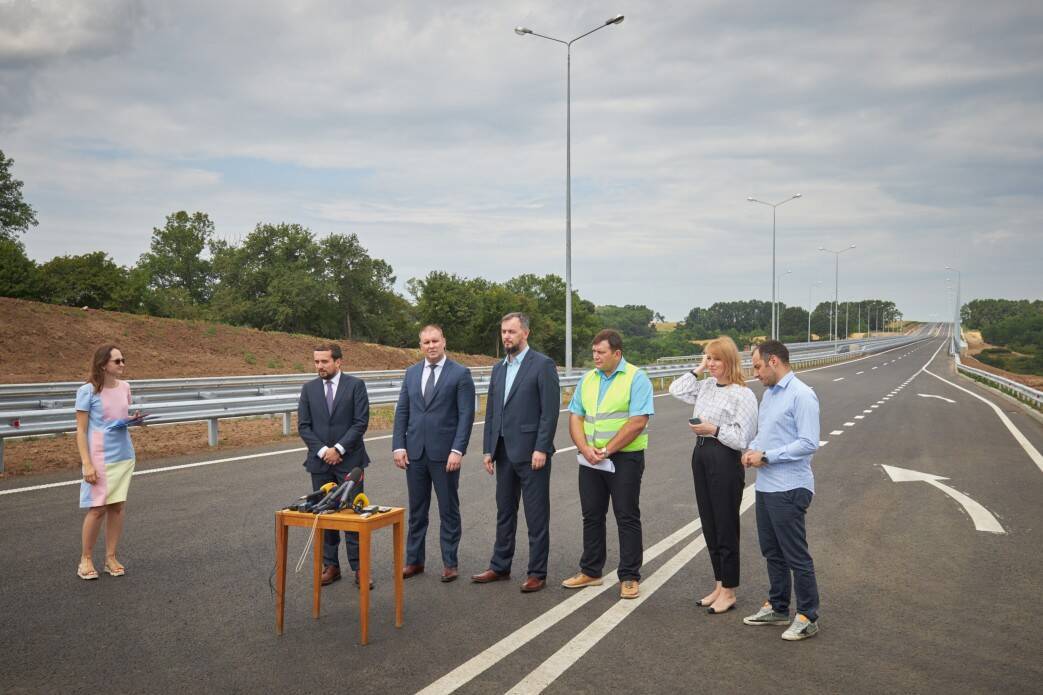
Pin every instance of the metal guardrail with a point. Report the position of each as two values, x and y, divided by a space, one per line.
57 420
1013 388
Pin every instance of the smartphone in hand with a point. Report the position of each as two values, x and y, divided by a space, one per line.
694 421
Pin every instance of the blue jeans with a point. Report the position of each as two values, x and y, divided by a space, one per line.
784 545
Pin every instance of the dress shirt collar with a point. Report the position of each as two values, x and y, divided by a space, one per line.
619 368
784 381
440 363
335 380
517 358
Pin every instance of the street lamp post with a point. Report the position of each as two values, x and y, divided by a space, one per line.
956 307
773 206
810 307
522 31
836 292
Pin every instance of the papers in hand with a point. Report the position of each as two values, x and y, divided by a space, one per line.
603 465
125 422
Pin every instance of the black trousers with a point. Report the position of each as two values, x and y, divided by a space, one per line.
623 488
784 545
719 479
331 539
516 480
421 475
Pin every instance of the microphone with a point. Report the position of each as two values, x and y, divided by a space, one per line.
330 501
350 483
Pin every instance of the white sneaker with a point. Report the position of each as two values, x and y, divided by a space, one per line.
801 628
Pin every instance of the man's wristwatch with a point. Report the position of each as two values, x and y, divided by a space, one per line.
717 432
764 458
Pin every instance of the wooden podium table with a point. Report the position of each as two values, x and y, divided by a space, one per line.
339 521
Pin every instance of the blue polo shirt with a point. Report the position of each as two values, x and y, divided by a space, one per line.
640 392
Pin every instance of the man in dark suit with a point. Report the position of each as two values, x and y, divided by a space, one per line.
521 415
433 421
332 418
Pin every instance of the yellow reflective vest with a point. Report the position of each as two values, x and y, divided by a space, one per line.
603 420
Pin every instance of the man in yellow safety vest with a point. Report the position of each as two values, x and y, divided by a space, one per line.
608 417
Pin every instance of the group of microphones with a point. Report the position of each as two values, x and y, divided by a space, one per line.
330 497
333 498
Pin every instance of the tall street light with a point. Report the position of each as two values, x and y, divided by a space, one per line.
836 291
811 308
956 309
773 206
778 318
522 31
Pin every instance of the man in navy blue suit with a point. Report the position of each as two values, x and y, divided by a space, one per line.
332 418
433 421
521 416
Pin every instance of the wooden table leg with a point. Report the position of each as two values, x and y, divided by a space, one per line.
364 557
316 573
399 541
281 535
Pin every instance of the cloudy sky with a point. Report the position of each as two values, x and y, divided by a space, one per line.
912 129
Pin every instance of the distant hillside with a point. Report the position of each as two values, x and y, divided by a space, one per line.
47 342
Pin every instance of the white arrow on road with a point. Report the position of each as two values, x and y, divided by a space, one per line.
982 517
931 395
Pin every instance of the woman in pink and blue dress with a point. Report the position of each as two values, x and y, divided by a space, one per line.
106 455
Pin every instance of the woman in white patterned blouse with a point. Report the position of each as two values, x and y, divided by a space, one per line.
727 420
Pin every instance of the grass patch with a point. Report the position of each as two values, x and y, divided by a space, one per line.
249 358
1010 361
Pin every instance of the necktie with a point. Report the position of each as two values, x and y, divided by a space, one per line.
329 396
429 389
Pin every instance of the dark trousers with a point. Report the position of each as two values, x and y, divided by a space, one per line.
623 487
719 480
514 480
784 544
331 539
421 475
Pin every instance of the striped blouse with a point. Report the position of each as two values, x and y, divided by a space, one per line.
733 408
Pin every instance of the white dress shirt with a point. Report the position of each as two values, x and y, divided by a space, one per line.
335 380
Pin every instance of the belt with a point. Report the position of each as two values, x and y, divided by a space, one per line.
700 440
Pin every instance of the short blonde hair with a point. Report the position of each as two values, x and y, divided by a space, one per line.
723 348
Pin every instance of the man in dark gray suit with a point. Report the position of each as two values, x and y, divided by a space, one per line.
521 415
433 421
332 418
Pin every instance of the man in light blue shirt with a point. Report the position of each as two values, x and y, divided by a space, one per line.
787 437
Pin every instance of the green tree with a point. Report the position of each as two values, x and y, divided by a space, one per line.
92 280
16 215
630 320
180 277
19 277
274 280
362 290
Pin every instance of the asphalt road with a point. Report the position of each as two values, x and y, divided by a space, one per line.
914 598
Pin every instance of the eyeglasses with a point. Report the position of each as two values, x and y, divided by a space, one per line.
118 360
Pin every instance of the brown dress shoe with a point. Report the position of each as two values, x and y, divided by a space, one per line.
489 576
330 574
449 574
357 580
533 584
412 570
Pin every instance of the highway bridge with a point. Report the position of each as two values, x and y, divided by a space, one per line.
926 531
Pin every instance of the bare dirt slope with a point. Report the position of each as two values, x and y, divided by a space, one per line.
45 342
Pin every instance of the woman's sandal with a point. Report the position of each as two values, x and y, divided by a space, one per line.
86 574
114 571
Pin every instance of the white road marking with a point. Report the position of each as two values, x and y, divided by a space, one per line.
867 411
862 372
982 517
559 662
488 658
822 443
837 432
849 424
860 417
874 367
839 379
931 395
874 406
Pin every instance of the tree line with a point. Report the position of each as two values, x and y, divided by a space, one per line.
284 277
1015 325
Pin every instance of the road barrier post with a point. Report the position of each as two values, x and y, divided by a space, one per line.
1 454
211 431
286 423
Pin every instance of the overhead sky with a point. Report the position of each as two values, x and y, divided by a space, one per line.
430 129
